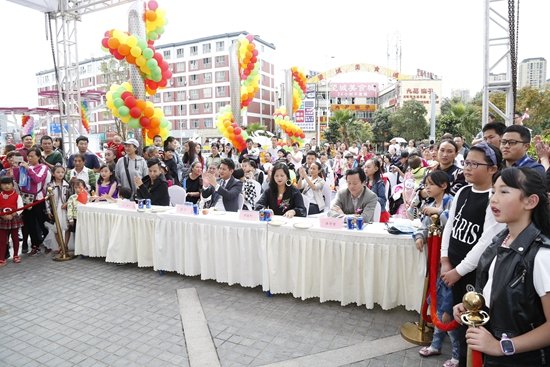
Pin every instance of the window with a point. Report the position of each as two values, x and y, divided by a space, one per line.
195 124
180 95
166 54
179 81
207 62
193 94
193 65
220 76
193 80
220 46
220 91
156 98
168 110
207 93
207 107
219 106
208 123
179 67
220 60
168 97
180 53
194 108
206 48
194 50
207 77
181 110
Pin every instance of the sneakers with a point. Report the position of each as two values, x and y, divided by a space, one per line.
451 363
34 251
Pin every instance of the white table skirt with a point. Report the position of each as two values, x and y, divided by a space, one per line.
218 247
119 235
364 267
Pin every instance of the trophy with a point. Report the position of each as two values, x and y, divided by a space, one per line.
474 316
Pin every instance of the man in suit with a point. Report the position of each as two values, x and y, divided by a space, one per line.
356 198
226 191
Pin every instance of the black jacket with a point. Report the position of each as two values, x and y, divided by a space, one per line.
516 307
292 200
230 194
157 192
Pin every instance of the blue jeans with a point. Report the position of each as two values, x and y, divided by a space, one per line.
439 336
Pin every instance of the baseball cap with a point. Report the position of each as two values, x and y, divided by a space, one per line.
134 142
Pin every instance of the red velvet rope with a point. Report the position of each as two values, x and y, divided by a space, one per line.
24 207
434 248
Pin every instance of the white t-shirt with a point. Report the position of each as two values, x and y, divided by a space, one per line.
541 275
296 159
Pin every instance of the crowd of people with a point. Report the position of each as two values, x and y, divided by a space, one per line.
491 198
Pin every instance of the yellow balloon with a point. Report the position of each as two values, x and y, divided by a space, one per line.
135 51
132 41
127 86
140 60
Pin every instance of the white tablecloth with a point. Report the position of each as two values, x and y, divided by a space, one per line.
119 235
350 266
363 267
218 247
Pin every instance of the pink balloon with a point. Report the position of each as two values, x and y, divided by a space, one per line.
153 5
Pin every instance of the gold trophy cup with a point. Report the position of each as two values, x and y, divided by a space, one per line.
474 316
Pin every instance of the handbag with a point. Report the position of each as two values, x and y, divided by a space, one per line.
27 198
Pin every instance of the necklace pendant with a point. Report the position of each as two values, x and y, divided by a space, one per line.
5 197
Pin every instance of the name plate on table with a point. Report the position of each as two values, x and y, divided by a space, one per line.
127 204
330 222
249 215
184 209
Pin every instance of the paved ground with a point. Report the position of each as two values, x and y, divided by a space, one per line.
86 312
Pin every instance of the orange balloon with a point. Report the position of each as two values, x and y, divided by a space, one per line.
148 112
155 122
124 49
140 103
130 59
113 43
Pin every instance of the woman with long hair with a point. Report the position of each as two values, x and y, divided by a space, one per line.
281 196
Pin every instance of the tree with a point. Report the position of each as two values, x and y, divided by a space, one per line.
115 72
409 122
381 126
254 127
345 127
458 118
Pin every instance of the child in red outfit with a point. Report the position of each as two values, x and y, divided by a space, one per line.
10 220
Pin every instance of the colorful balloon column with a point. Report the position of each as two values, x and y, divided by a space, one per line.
293 131
155 21
248 69
151 64
137 112
27 124
298 88
230 130
84 116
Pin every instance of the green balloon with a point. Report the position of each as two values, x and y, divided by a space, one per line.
153 35
118 102
123 111
148 53
142 44
133 123
164 123
160 30
151 64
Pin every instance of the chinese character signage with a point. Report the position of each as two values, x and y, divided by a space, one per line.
353 107
349 90
305 116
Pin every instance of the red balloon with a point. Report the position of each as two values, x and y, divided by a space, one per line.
144 122
167 74
105 42
163 83
302 135
157 56
237 131
135 112
130 101
117 55
125 95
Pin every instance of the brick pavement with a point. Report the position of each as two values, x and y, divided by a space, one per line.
86 312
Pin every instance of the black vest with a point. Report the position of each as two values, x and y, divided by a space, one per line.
515 305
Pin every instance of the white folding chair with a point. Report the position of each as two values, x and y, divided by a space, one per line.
377 212
177 195
306 203
327 193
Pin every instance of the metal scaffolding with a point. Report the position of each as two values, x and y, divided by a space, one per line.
499 53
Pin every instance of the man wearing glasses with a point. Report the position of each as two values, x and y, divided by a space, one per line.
514 146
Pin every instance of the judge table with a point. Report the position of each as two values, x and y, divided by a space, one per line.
349 266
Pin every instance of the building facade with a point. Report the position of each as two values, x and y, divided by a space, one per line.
532 73
198 89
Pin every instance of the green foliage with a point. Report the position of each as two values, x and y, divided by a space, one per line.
381 126
409 122
343 126
458 118
254 127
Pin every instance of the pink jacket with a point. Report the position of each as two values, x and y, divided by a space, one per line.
38 176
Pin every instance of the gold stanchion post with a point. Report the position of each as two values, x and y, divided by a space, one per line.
63 247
